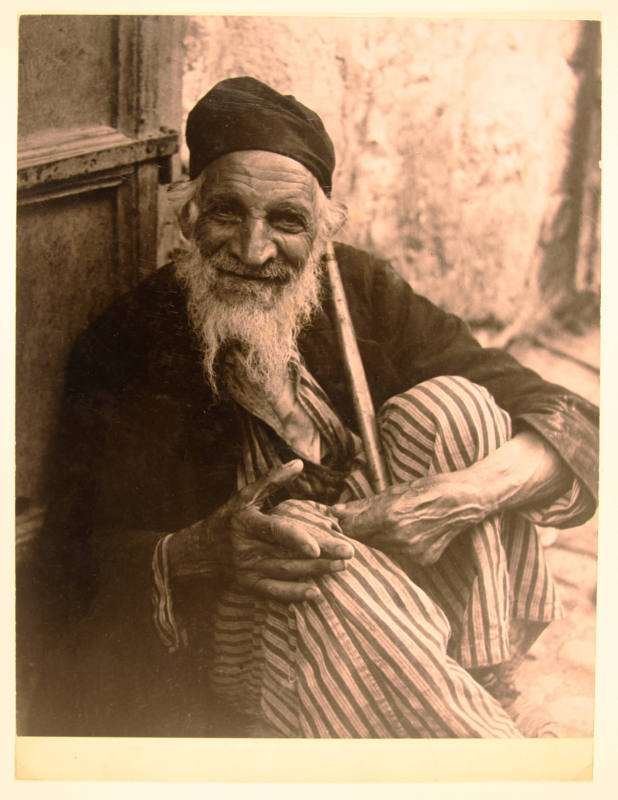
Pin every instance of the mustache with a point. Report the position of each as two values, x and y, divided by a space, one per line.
277 270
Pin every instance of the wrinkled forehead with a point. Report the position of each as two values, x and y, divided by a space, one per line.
258 175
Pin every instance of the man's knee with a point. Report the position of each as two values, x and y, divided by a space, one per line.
448 415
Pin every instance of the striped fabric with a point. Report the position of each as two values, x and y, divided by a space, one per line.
497 571
368 661
381 655
262 451
170 630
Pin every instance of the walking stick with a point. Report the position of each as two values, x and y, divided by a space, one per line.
355 371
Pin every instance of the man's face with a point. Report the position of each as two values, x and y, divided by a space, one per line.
253 263
256 224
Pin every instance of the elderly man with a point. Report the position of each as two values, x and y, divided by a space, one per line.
220 563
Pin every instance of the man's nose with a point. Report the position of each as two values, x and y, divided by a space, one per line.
254 244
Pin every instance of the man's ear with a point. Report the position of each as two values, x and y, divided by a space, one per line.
339 216
186 220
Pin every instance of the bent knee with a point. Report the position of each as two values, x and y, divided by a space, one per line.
448 415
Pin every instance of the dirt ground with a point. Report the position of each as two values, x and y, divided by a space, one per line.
559 672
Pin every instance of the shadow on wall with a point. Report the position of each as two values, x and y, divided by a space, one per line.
461 153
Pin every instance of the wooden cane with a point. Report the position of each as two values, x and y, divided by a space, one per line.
355 371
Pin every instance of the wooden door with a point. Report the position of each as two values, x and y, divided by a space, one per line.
99 99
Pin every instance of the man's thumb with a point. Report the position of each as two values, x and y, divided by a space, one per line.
351 517
340 510
347 510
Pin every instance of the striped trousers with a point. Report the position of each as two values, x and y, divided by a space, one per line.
387 649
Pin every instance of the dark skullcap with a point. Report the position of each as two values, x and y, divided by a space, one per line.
246 114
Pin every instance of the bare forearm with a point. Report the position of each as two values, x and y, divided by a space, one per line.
424 516
524 470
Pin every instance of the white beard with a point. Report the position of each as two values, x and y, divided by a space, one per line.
260 323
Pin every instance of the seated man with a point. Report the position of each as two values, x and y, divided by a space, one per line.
218 561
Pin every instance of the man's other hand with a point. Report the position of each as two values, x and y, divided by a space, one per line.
271 554
420 518
423 517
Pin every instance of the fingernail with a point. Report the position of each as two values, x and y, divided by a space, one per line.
344 551
312 594
337 566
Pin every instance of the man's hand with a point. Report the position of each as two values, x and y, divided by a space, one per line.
270 554
419 518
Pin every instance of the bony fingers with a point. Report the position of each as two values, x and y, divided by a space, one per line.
358 526
308 513
283 532
283 591
333 546
351 509
328 538
298 568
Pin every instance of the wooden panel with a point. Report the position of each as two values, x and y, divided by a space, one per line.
63 281
95 93
150 76
67 72
147 207
51 157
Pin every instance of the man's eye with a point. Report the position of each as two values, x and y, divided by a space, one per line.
288 223
223 214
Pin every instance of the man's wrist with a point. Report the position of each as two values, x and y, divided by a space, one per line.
198 551
483 489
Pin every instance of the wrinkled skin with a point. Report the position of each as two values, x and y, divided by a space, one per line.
421 518
272 554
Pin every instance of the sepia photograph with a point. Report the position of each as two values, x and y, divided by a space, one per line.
307 377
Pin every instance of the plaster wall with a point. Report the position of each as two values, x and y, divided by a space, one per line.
451 136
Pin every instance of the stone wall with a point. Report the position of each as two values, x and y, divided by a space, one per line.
452 138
